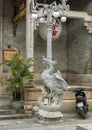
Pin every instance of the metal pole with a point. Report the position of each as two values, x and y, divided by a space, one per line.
49 34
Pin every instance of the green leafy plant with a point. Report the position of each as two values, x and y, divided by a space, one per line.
19 71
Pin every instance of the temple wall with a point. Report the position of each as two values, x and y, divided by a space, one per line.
8 39
1 40
72 49
5 97
59 46
79 47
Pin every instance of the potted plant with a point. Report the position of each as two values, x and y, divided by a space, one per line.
19 74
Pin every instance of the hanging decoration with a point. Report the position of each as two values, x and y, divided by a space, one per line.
56 30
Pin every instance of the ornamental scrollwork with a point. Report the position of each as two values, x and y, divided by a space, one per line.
64 5
88 24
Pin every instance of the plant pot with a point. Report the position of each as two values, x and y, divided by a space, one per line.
17 105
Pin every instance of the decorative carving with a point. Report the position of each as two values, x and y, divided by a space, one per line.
64 5
14 28
52 91
20 6
88 24
20 15
17 3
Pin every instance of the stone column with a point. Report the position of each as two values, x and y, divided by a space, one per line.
1 43
1 33
29 49
5 98
29 30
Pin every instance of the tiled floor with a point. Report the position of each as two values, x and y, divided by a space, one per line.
68 122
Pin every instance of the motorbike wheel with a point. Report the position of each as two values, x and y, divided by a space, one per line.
83 114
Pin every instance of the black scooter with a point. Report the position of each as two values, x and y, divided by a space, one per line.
81 102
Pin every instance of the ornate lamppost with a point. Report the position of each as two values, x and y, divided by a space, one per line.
49 104
49 11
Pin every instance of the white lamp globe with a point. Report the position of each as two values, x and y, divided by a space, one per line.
42 20
56 14
34 16
63 19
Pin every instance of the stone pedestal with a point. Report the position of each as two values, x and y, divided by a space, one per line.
49 115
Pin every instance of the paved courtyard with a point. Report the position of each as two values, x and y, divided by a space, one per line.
69 122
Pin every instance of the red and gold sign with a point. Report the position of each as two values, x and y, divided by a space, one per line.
7 54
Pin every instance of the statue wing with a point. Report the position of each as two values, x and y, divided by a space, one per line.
59 81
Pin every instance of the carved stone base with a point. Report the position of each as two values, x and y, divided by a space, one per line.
48 115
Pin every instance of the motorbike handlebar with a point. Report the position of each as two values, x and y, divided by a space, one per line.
79 89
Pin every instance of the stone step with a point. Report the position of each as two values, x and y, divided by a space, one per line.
84 127
10 111
31 126
67 105
67 94
32 95
7 111
70 105
12 116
